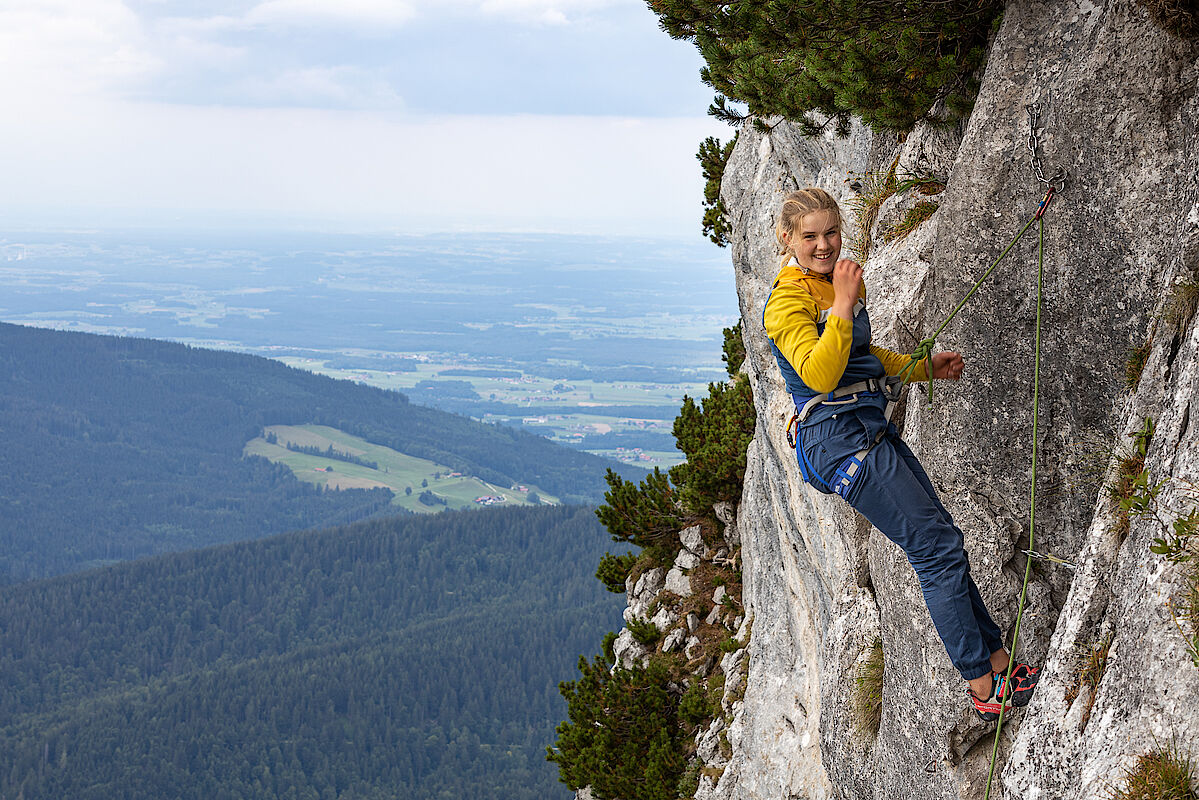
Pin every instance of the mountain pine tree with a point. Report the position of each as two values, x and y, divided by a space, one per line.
623 735
819 62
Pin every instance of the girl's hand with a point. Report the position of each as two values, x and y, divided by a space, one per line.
847 283
847 279
947 365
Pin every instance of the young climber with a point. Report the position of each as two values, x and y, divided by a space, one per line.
818 327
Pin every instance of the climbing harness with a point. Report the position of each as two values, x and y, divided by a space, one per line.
850 469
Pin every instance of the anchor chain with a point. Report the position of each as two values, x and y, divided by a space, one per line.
1056 183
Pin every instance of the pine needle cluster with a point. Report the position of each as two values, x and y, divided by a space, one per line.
715 435
623 739
819 62
712 157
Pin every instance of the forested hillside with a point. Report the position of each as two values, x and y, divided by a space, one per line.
117 448
407 657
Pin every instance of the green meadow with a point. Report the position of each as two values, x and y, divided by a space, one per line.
406 476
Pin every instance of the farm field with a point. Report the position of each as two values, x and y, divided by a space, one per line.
530 390
406 476
572 402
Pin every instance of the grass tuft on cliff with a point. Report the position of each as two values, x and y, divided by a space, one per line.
876 188
867 704
912 219
1162 774
1091 667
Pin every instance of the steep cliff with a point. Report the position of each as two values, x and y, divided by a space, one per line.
1120 108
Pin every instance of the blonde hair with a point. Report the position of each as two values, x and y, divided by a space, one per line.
798 205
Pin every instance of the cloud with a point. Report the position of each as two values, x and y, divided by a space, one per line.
553 12
285 109
51 48
378 17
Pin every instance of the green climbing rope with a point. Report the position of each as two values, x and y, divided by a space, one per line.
924 350
1032 499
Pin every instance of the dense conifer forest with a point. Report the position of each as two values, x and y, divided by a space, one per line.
118 448
413 657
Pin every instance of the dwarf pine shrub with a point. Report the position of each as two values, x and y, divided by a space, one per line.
734 350
623 737
715 436
695 706
643 514
613 571
823 61
644 631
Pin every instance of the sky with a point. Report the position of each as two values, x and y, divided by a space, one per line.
356 115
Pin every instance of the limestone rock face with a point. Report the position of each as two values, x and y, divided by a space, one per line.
1119 111
693 542
677 582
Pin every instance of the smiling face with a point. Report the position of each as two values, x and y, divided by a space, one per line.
816 241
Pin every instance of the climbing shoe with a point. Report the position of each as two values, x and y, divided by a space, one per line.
1024 680
988 710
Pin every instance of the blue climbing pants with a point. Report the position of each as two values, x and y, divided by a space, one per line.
894 493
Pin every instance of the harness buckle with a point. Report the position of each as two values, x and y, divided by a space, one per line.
892 388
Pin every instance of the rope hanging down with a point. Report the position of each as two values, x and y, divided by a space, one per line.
1032 500
924 350
1034 113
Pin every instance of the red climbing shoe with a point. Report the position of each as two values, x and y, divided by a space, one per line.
1024 680
988 710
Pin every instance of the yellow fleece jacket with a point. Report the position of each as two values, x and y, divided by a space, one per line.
790 319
